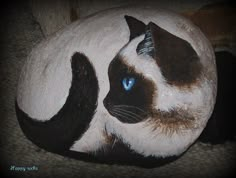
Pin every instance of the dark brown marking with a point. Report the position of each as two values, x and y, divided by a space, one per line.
109 139
171 122
134 105
136 27
179 63
60 132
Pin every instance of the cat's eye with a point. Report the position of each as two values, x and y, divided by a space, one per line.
128 83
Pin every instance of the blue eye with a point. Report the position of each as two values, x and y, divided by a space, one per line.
128 83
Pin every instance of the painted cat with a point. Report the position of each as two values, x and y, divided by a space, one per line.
150 100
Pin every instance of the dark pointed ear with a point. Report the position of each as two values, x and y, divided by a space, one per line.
136 27
176 58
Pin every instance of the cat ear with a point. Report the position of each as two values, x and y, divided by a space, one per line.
160 44
146 47
177 59
136 27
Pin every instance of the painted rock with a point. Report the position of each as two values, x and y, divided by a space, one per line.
126 85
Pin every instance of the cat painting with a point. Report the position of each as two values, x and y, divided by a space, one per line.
120 86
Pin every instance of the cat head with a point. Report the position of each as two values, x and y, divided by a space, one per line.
152 63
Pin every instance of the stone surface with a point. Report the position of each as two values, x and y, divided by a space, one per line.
18 36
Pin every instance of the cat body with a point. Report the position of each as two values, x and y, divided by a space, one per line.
109 79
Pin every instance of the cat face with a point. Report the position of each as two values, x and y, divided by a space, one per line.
130 98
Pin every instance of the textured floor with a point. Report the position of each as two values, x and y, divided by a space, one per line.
19 33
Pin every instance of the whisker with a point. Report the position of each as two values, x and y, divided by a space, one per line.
130 106
129 113
127 116
121 114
